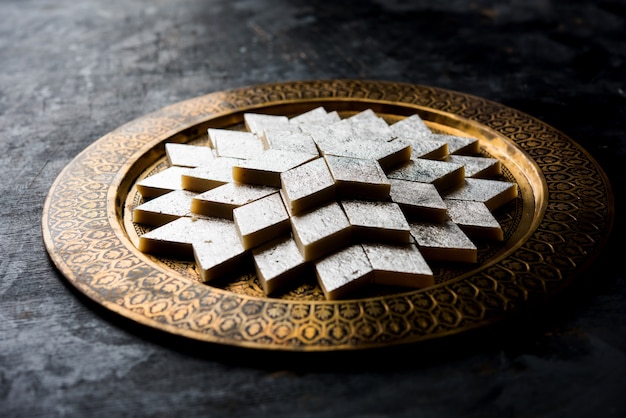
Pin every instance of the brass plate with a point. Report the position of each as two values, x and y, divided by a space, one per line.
553 230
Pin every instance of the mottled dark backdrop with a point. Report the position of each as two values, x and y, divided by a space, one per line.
71 71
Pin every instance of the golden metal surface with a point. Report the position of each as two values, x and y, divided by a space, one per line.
552 230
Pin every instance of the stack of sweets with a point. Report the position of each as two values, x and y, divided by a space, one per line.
356 200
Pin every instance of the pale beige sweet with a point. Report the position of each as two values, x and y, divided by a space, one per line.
430 149
344 271
363 116
277 263
261 220
377 221
321 231
219 254
316 116
265 168
330 135
341 139
235 144
478 167
418 200
411 127
457 144
390 154
355 177
290 140
475 219
307 186
443 242
493 193
441 174
178 238
370 127
161 183
217 173
213 242
423 139
414 130
387 154
221 201
399 265
315 128
258 123
186 155
165 208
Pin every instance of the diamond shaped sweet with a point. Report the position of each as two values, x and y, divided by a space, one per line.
377 221
219 254
265 169
165 208
493 193
479 167
186 155
217 173
399 265
387 154
261 220
443 242
475 219
418 200
163 182
213 242
221 201
307 186
176 238
258 123
290 140
278 263
440 174
235 144
368 126
315 117
340 273
457 144
321 231
429 149
355 177
411 127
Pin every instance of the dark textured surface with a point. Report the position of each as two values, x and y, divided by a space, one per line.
72 71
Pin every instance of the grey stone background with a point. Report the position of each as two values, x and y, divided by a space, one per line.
71 71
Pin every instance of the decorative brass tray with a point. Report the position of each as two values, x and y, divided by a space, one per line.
553 230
